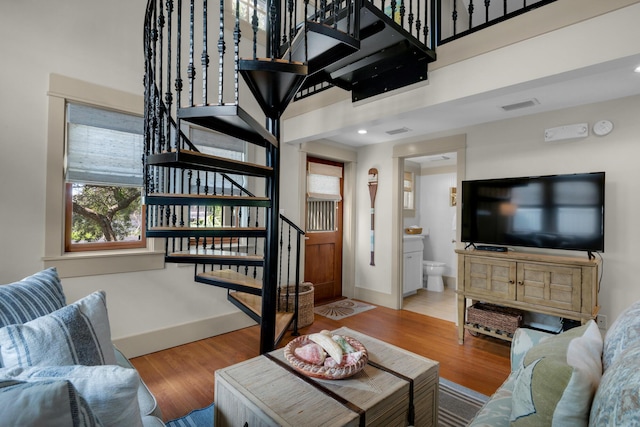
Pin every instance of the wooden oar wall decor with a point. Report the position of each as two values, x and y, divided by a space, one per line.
373 189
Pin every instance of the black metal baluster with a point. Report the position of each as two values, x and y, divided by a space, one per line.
402 12
393 10
178 83
191 69
204 58
487 3
418 22
410 18
236 56
471 9
221 51
254 27
454 17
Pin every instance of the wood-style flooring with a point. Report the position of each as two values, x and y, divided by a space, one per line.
182 378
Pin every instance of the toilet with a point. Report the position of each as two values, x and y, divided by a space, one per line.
434 271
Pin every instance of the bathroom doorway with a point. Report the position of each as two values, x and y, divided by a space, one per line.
432 208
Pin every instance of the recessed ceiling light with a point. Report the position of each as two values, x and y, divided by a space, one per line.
637 70
362 131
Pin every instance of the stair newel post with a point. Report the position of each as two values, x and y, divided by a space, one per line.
191 70
270 279
204 58
296 296
306 44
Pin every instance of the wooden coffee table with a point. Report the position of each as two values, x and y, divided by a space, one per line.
397 388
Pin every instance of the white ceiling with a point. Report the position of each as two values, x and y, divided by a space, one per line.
606 81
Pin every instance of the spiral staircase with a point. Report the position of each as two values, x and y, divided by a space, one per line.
220 213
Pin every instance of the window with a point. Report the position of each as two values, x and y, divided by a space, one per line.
247 8
62 92
103 178
408 191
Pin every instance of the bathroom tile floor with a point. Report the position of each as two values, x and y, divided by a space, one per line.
441 305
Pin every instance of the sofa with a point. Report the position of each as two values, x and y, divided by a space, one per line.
575 378
58 366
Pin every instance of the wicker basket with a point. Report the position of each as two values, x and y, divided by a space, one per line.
495 317
305 303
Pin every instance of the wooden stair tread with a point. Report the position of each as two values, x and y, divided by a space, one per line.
178 228
254 303
217 253
232 277
189 159
207 196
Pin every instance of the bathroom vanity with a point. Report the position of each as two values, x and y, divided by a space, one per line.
413 247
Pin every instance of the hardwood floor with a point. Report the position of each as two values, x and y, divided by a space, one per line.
182 378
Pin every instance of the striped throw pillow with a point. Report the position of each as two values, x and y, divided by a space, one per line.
31 297
50 402
78 334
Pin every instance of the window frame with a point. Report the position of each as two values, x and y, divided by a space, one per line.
85 263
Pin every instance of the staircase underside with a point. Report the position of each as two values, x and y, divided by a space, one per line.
389 58
254 304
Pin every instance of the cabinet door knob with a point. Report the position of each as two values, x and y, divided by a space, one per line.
520 283
511 282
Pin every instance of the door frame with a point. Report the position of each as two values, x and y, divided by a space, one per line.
348 158
455 143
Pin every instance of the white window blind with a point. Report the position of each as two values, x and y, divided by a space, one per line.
103 147
323 182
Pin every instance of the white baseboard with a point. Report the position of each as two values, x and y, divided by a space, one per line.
161 339
375 297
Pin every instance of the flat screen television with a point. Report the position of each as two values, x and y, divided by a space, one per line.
554 212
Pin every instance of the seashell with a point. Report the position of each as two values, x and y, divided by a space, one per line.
311 353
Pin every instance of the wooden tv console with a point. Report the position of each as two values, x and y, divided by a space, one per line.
560 286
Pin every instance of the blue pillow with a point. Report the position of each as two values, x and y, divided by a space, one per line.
50 402
77 334
31 297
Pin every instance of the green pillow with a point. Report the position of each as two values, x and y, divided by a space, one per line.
558 380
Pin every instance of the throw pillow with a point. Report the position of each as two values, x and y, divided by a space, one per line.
558 379
623 332
111 391
616 402
78 334
54 403
31 297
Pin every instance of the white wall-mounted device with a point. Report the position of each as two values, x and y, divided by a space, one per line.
579 130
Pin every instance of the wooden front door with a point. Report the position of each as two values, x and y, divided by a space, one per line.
323 240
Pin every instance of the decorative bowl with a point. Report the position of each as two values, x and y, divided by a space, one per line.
413 230
323 372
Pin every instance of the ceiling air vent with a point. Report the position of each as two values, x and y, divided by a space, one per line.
397 131
518 105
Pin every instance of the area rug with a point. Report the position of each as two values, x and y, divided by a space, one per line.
340 309
198 418
458 405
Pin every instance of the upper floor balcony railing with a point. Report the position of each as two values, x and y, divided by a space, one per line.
458 18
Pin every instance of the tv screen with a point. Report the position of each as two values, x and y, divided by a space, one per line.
554 211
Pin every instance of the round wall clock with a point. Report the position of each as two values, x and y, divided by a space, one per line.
602 127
